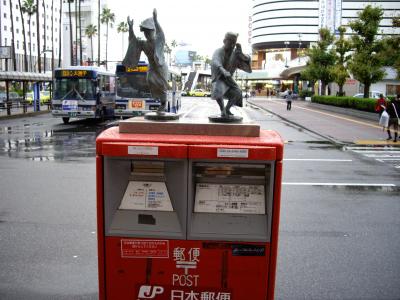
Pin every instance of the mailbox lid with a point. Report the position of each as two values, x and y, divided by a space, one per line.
239 152
143 149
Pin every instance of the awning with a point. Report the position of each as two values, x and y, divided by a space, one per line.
24 76
290 72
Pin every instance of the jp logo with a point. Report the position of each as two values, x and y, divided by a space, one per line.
150 292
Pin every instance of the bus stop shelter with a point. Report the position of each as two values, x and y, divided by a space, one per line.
24 77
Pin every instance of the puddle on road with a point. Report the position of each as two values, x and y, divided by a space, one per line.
62 143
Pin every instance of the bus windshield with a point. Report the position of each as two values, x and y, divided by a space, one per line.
74 89
133 85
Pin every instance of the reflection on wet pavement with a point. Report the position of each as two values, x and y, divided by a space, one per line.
50 142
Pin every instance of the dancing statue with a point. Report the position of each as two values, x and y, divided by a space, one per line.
224 63
153 47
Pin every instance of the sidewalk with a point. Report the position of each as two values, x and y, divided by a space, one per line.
339 125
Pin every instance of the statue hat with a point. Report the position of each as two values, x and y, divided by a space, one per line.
147 24
231 35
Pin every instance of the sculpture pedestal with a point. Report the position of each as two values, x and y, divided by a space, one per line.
228 119
164 116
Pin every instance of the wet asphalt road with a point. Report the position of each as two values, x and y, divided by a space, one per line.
337 241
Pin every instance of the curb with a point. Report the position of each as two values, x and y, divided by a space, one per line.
332 140
22 115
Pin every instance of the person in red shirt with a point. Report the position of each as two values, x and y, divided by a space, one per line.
380 105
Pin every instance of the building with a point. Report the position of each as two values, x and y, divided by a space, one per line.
45 25
282 29
89 15
294 24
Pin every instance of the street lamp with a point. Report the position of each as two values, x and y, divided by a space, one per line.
40 53
286 46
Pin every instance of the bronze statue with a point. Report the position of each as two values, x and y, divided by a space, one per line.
153 47
224 63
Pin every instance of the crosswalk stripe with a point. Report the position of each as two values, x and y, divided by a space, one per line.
383 154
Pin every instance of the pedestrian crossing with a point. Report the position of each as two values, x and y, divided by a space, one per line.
384 154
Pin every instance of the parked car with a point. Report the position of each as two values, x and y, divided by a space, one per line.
200 93
373 94
44 97
13 96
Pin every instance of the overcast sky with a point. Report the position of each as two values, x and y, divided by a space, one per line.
201 23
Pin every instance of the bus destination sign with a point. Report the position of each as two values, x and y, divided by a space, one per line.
137 69
74 73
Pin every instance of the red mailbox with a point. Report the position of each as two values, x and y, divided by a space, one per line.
188 216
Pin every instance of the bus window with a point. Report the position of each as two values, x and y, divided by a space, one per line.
74 89
133 85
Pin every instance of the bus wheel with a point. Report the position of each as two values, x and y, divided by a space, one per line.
65 120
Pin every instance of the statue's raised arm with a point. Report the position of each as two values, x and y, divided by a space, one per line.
130 26
159 40
134 48
159 31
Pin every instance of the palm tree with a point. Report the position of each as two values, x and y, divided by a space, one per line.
70 33
24 36
29 8
59 35
122 27
107 17
98 35
168 51
12 38
80 33
173 45
44 40
52 35
39 59
90 32
76 32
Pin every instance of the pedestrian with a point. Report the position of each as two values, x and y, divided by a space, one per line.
393 109
380 105
289 98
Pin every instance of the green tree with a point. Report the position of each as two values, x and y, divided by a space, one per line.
367 62
342 49
107 17
122 27
90 32
321 60
391 54
29 8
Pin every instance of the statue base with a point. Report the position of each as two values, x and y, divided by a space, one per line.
161 116
225 119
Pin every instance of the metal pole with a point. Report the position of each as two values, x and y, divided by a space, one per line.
8 102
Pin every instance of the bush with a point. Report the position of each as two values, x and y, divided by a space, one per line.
305 93
364 104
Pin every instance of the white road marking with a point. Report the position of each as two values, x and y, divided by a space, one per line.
318 159
339 184
381 155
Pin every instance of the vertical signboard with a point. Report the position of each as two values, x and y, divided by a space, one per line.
330 14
